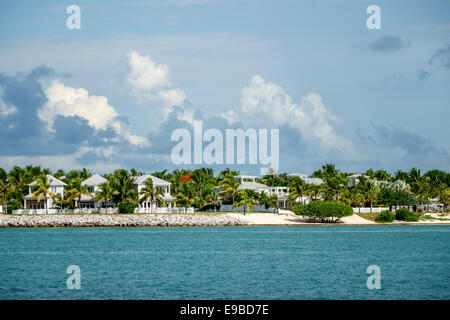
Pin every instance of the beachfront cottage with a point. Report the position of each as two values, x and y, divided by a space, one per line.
398 185
139 182
88 201
249 183
308 180
56 186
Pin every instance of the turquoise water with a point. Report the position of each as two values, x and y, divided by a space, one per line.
226 262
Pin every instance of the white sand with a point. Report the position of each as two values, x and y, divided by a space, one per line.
288 219
292 219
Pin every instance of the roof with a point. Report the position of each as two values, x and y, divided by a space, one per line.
252 185
51 180
243 176
316 181
140 180
357 175
301 175
95 180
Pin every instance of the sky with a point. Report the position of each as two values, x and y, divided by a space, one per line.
111 93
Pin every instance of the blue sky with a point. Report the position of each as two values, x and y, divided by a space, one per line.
384 94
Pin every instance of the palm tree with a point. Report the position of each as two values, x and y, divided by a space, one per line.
230 186
272 201
382 175
359 200
58 201
59 173
246 201
314 191
151 193
5 189
214 200
445 197
202 177
123 185
105 193
42 190
372 195
401 175
77 190
186 194
19 178
297 189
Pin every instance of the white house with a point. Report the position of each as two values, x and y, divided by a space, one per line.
249 183
56 186
307 179
401 185
92 183
139 182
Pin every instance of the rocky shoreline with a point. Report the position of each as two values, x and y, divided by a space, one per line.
129 220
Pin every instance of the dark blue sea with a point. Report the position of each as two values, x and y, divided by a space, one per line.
316 262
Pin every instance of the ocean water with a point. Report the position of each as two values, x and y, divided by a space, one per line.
326 262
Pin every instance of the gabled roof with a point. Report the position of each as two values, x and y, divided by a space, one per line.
140 180
252 185
51 180
95 180
244 176
357 175
300 175
316 181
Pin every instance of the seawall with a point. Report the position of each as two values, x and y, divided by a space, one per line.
122 220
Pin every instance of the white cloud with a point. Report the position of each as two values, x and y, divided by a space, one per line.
231 116
150 83
145 75
67 101
6 109
267 103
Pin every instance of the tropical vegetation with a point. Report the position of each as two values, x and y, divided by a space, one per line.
205 190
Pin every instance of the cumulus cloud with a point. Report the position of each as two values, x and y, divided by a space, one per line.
442 57
267 103
145 75
66 101
150 83
6 109
230 116
388 44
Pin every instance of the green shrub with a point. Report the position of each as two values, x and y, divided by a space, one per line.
412 217
126 207
406 215
402 214
318 211
385 216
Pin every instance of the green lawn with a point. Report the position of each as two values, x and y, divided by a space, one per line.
368 215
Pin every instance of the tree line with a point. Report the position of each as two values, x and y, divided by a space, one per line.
203 189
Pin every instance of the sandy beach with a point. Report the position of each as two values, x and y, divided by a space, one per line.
292 219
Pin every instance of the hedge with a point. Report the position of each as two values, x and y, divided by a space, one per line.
319 211
406 215
385 216
126 208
